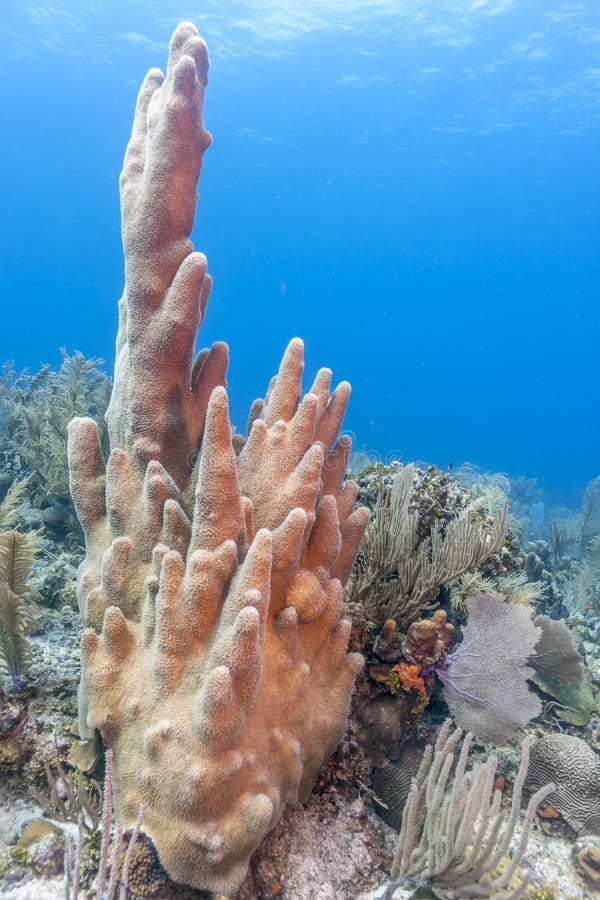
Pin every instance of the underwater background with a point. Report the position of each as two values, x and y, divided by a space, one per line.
253 660
412 187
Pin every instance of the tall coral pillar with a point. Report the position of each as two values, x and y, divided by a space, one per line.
215 659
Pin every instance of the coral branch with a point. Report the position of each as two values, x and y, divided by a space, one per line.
457 839
215 660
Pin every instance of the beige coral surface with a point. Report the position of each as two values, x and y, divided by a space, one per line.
214 661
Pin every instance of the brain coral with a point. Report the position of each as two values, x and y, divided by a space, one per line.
575 770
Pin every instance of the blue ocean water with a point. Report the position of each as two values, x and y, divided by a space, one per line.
412 187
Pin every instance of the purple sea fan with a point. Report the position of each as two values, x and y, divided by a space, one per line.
485 678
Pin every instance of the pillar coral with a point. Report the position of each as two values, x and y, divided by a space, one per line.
214 661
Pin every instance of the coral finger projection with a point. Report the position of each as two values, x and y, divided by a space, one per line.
214 661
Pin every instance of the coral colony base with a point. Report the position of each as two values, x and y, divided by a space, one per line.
214 662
